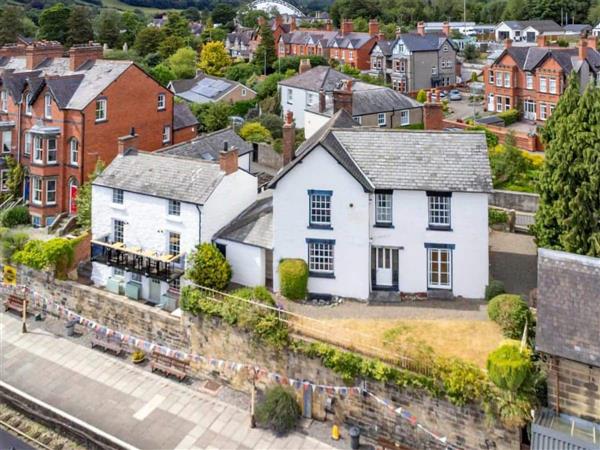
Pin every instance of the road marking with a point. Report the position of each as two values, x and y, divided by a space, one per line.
147 409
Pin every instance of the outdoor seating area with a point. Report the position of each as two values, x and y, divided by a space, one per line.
15 303
169 365
107 343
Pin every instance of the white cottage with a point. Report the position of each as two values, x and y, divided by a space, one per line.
374 210
150 210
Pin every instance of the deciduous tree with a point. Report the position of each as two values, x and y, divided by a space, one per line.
80 26
11 24
107 28
214 59
148 40
54 23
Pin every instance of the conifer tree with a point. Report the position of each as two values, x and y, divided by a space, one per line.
265 54
80 26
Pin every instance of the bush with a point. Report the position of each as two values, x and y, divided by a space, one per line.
209 268
258 294
273 123
491 138
255 132
509 368
279 410
293 278
422 96
413 126
511 313
56 254
11 243
17 215
496 216
494 289
509 117
242 107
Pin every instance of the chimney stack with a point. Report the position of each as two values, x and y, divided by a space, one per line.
289 138
9 50
37 52
342 97
79 54
328 25
541 40
347 27
293 26
322 100
507 43
433 116
398 32
582 48
421 28
446 28
373 27
278 20
228 159
592 42
304 66
127 145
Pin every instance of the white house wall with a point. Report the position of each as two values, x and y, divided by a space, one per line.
350 222
298 102
313 122
244 162
247 263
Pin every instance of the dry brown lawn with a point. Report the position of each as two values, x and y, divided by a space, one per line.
469 340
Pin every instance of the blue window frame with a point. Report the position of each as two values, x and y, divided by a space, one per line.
319 209
321 257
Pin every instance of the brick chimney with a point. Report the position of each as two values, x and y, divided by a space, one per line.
342 97
592 42
127 145
304 66
79 54
278 20
37 52
507 43
289 138
293 26
398 32
421 28
433 116
582 48
12 50
328 25
228 160
322 100
373 27
347 27
446 28
541 41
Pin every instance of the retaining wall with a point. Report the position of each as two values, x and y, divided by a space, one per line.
519 201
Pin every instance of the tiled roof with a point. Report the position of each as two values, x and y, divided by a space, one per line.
183 116
528 58
386 46
315 79
354 40
165 176
209 146
424 43
254 226
203 88
543 26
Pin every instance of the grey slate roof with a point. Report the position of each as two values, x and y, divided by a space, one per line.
543 26
165 176
183 116
577 27
528 58
424 43
209 146
315 79
203 88
408 160
354 39
386 46
254 226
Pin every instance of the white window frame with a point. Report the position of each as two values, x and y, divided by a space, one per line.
118 228
52 152
4 101
321 258
74 151
357 119
434 70
48 106
174 208
499 79
174 243
49 191
166 134
552 86
405 117
384 208
499 104
28 143
118 196
439 211
38 149
4 176
36 190
290 96
491 77
529 80
381 119
101 110
543 111
319 214
543 84
244 92
435 260
28 111
6 141
162 102
506 79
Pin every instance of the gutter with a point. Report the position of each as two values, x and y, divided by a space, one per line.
199 224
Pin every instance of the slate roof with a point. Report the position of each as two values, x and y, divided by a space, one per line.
424 43
577 28
315 79
543 26
407 160
183 116
209 146
72 89
254 226
528 58
355 40
203 88
243 36
386 46
165 176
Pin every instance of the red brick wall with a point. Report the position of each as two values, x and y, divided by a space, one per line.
184 134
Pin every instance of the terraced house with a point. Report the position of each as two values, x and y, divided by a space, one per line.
60 114
532 79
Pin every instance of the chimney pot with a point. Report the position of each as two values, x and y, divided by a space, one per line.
328 25
507 43
433 115
322 100
347 27
446 28
373 27
304 66
127 144
37 52
541 40
342 97
79 54
228 160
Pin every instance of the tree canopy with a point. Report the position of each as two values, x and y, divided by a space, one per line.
214 59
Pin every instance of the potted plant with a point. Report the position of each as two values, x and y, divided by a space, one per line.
138 357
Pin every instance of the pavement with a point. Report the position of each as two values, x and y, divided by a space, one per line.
145 410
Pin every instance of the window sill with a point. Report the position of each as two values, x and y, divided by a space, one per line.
384 225
101 121
439 228
74 166
439 288
117 206
319 227
320 275
177 219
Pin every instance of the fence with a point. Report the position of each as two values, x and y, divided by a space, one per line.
311 328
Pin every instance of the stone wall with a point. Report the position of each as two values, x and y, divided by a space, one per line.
519 201
464 427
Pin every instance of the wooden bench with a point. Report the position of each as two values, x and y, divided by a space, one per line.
107 343
14 302
169 365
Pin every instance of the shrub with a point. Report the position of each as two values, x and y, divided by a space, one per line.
242 107
494 289
258 294
255 132
17 215
293 278
463 382
511 313
496 216
279 410
56 254
209 268
11 243
273 123
413 126
474 76
509 368
491 138
422 96
509 117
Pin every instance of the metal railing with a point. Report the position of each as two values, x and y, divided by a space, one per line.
322 331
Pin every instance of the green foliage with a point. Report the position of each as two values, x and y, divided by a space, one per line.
169 45
497 216
273 123
208 267
120 55
471 53
54 23
183 63
148 40
510 116
293 274
349 70
212 116
80 26
255 132
282 65
279 410
265 54
474 76
177 25
222 13
413 126
513 169
130 26
213 34
56 254
508 367
17 215
214 59
268 86
242 107
258 294
494 289
422 96
11 24
240 72
462 382
491 138
511 313
15 176
162 73
12 242
84 198
108 29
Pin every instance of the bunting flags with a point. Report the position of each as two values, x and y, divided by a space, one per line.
259 372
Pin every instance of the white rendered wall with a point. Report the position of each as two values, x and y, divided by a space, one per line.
244 162
297 105
350 222
247 263
313 122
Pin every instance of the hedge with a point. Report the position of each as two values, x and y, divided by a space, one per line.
509 368
511 313
510 116
17 215
496 216
209 268
293 278
495 288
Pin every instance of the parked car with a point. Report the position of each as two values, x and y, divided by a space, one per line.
455 95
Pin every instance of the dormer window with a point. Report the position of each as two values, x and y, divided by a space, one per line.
4 101
48 106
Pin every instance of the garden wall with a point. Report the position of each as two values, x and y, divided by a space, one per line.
464 427
519 201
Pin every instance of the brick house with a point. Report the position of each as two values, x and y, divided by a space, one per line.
532 79
59 115
567 336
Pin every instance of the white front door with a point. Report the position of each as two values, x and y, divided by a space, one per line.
383 266
491 106
529 110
